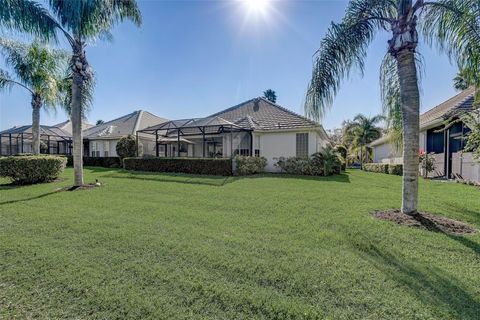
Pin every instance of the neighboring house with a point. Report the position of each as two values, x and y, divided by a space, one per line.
256 127
446 144
384 151
101 140
56 139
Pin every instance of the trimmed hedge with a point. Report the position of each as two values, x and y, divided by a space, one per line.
32 169
376 167
105 162
394 169
250 165
219 167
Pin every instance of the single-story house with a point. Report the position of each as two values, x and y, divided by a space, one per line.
56 139
257 127
101 140
446 144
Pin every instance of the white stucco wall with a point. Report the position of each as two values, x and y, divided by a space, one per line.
386 153
465 166
274 145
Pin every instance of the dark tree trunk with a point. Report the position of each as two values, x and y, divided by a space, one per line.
402 48
36 106
79 67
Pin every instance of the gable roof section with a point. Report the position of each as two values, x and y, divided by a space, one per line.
435 116
123 126
261 114
461 102
67 125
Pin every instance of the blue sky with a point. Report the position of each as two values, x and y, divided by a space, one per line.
194 58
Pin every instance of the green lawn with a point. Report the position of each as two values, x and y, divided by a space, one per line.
268 247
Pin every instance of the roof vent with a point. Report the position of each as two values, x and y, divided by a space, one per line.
256 105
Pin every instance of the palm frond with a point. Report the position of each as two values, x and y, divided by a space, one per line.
343 48
65 93
36 66
94 18
390 96
6 81
27 16
453 27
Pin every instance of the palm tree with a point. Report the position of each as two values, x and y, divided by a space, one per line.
270 95
462 80
79 21
451 24
363 130
38 69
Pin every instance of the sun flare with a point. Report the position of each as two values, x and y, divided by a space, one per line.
257 6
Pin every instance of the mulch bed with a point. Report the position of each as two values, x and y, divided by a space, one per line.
426 221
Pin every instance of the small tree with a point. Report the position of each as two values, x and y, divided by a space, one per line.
270 95
127 147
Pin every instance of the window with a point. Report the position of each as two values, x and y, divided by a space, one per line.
257 153
435 141
302 145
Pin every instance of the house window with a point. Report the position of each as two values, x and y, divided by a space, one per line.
435 141
257 152
95 149
302 145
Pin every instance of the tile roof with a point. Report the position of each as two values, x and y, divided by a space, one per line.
462 101
123 126
261 114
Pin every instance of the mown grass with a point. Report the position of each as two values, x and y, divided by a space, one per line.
164 246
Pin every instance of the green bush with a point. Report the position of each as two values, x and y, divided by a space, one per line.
324 163
395 169
127 147
32 169
376 167
105 162
220 167
250 165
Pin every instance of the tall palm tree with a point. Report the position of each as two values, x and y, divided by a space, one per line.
80 21
270 95
451 24
364 130
39 70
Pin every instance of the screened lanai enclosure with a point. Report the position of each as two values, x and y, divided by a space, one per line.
211 137
53 140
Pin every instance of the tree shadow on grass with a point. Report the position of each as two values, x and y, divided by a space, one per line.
216 181
28 199
428 283
210 180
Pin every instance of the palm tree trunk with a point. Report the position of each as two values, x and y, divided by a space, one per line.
36 106
76 112
410 105
361 157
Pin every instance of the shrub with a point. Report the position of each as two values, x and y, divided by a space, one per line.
376 167
294 165
32 169
326 162
396 169
105 162
388 168
221 167
250 165
127 147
